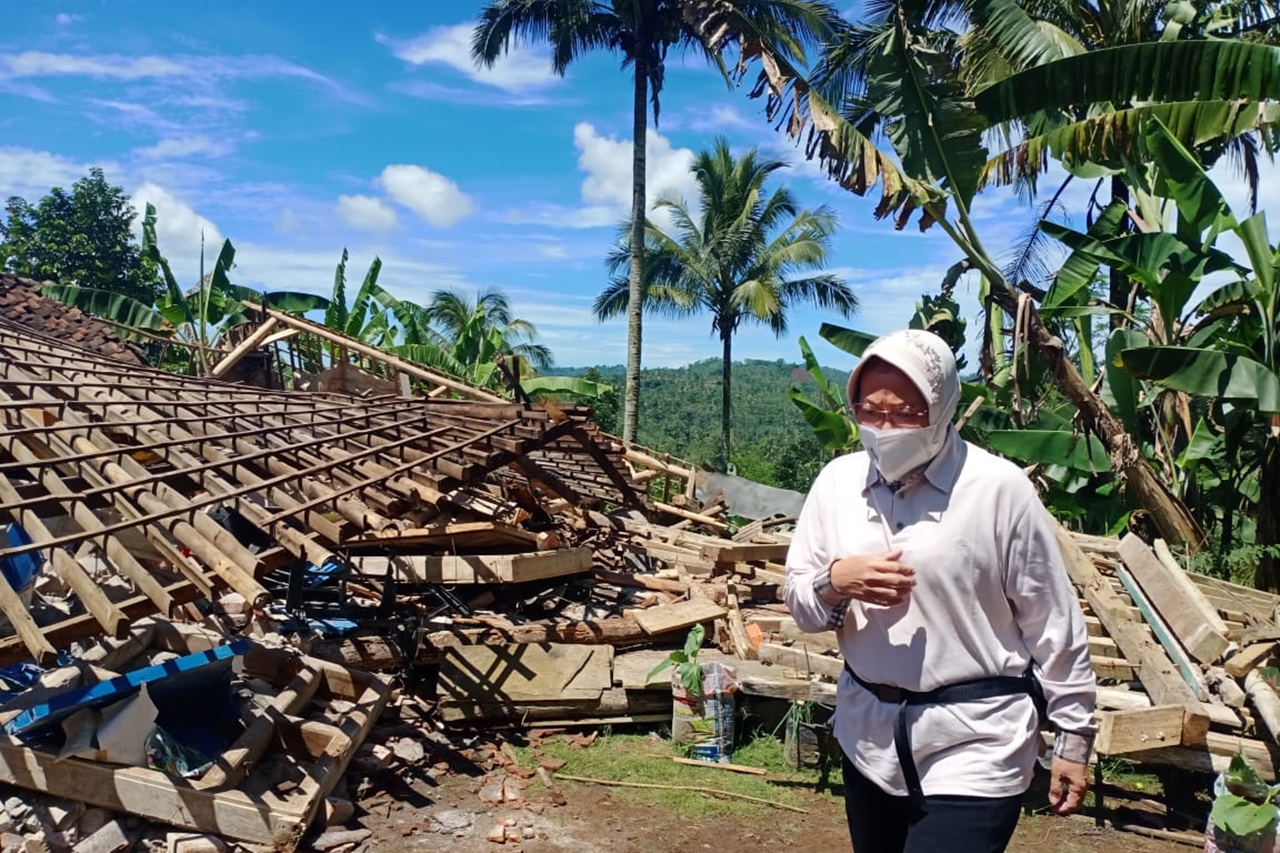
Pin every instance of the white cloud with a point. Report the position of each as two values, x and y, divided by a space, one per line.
366 212
606 190
178 231
287 222
31 174
65 19
432 196
185 146
519 69
35 63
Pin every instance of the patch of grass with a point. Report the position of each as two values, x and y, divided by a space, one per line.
647 759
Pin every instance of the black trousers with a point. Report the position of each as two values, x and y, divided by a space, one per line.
883 823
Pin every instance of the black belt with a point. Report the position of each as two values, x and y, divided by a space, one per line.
963 691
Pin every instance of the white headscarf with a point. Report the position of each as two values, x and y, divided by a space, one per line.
928 362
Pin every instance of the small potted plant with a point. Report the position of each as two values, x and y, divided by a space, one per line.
702 704
1243 818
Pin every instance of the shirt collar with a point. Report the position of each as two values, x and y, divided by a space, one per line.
941 472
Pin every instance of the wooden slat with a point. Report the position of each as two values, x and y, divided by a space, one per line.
1124 732
682 614
1154 669
1180 603
479 568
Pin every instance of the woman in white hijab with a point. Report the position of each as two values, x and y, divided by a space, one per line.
938 567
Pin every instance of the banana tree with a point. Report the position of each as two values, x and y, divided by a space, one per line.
1229 355
189 322
902 82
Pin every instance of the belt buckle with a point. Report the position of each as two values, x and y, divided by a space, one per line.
889 693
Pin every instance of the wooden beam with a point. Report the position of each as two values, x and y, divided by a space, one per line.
1154 669
1180 603
248 345
1124 732
682 614
479 568
1249 658
391 361
802 659
706 520
736 552
1189 672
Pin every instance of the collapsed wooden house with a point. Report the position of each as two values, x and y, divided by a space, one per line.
532 560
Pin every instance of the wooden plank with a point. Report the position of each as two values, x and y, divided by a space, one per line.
742 645
718 765
682 614
1215 756
1265 702
736 552
479 568
755 678
802 659
1113 669
524 672
616 632
458 535
1180 604
1154 669
1123 732
1188 670
1249 658
615 702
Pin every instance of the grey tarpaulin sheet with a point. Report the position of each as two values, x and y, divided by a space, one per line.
747 498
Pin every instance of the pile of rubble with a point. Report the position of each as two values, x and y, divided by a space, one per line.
367 579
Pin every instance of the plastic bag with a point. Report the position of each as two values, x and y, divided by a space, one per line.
705 723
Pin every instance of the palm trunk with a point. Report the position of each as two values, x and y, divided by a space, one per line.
635 290
1267 575
726 338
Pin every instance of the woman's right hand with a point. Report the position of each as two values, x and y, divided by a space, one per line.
873 578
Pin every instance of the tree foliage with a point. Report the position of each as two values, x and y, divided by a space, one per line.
83 237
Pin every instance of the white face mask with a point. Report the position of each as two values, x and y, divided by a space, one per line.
897 452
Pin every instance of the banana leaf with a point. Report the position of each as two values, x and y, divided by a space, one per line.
114 308
1051 447
574 385
1121 387
1207 373
849 340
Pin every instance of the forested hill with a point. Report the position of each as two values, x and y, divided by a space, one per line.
680 414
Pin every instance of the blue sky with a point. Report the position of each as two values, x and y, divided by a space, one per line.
366 126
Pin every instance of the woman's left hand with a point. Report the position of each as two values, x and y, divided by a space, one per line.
1068 782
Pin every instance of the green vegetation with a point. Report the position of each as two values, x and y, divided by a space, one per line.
83 237
647 759
772 442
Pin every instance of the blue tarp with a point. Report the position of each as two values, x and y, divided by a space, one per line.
20 569
61 705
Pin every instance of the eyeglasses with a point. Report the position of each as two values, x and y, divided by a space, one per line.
898 418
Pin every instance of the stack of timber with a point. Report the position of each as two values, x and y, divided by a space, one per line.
269 783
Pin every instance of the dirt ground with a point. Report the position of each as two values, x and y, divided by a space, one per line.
455 812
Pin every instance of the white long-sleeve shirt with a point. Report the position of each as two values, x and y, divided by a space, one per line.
991 596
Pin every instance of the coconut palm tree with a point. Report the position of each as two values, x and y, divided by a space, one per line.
643 31
453 316
734 255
